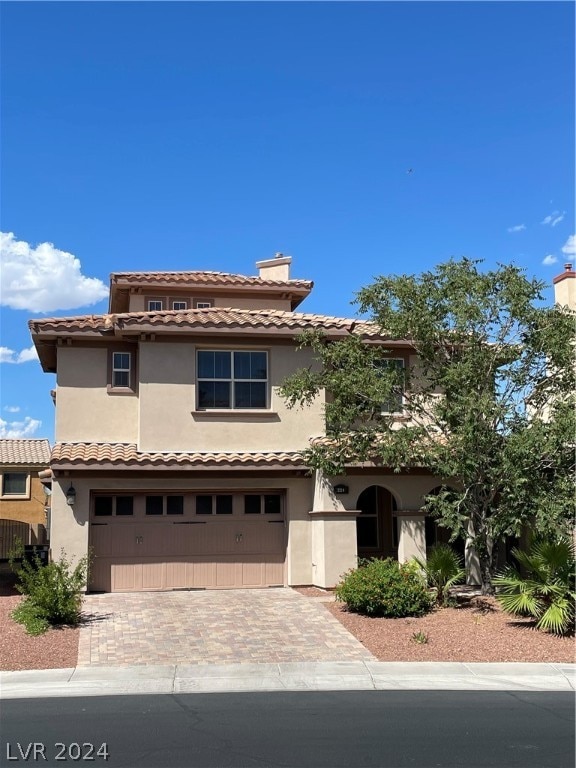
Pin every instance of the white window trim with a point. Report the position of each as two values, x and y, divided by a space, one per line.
155 301
179 301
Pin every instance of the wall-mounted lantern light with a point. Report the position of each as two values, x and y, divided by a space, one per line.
71 496
340 488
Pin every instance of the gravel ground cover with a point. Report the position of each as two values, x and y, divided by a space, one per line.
476 631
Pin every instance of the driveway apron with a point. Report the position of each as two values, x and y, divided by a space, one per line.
212 627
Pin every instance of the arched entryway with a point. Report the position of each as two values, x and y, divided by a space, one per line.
376 534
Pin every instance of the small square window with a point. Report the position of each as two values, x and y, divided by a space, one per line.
154 505
174 505
272 505
223 505
202 304
203 505
252 504
124 505
103 506
14 483
179 305
155 305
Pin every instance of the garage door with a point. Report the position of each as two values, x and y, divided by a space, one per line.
186 541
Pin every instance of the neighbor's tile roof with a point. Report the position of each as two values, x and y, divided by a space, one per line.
24 451
203 278
106 455
213 317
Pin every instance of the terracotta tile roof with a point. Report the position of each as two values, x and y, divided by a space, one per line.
121 455
199 279
25 451
269 320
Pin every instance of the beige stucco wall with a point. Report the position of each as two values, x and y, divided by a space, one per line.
85 412
334 548
169 421
565 292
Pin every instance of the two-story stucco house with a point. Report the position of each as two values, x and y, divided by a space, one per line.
176 461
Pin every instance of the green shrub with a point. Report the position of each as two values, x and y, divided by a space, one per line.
384 588
547 590
52 593
443 568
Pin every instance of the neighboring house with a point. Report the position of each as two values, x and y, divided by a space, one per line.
23 501
178 464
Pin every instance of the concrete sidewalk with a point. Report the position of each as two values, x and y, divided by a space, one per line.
289 676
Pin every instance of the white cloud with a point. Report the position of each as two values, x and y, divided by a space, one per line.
12 408
549 260
517 228
44 278
18 429
554 218
9 356
569 247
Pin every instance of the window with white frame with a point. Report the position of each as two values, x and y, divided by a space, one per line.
121 370
155 305
232 379
179 305
203 304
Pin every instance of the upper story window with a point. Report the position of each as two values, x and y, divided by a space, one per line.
179 304
155 305
121 370
203 303
394 404
15 484
228 379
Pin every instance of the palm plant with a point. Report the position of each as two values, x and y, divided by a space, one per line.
443 569
547 592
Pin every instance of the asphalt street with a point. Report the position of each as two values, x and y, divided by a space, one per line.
312 729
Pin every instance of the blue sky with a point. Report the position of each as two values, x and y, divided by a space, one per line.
152 136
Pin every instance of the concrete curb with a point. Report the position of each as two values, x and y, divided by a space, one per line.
296 676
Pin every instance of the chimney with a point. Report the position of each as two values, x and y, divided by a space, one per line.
565 288
277 268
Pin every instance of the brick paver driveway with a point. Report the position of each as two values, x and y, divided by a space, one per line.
212 627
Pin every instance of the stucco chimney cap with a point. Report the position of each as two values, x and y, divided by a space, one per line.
568 266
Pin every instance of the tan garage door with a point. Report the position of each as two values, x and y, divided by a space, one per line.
183 541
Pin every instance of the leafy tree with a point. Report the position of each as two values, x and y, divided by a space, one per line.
487 397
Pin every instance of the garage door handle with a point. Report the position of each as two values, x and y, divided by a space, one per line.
238 538
139 539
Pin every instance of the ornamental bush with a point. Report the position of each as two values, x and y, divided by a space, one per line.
385 588
52 593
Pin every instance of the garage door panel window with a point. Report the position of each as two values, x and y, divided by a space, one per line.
268 504
229 379
221 504
109 506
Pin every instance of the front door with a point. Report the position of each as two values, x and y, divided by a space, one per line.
375 532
